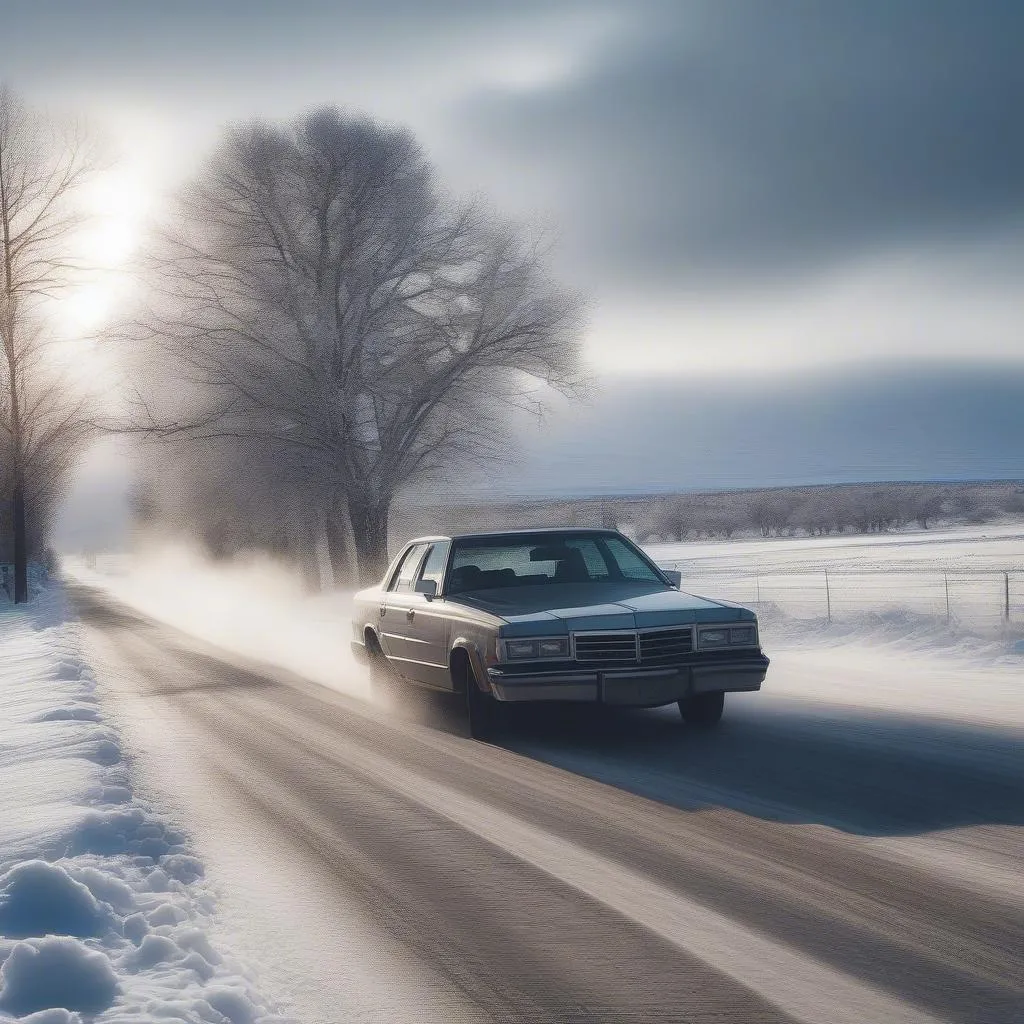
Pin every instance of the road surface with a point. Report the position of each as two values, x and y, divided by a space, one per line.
803 863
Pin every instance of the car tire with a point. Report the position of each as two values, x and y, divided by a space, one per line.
484 713
703 710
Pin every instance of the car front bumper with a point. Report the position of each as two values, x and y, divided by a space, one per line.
635 686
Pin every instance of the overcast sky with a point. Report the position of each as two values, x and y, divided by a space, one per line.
776 192
739 184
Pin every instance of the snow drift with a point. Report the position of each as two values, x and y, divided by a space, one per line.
103 908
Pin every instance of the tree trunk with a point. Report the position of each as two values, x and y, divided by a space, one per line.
20 546
323 557
305 546
339 544
370 535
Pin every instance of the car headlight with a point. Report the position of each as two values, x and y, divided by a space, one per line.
727 636
714 638
539 649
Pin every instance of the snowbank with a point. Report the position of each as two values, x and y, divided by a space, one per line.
103 908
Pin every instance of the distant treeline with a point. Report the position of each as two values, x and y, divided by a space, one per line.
777 512
272 519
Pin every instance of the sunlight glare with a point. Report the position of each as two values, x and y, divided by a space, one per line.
115 206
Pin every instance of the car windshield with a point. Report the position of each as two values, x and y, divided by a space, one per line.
489 562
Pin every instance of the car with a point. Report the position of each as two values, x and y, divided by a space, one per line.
529 616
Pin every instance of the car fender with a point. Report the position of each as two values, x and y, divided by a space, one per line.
472 649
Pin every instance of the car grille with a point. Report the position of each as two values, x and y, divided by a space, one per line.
606 647
650 647
664 646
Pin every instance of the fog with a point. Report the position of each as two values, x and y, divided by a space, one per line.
254 607
654 435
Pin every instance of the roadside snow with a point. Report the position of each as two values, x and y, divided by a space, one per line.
885 678
103 908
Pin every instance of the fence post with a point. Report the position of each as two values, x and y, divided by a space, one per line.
757 583
828 598
1006 597
945 580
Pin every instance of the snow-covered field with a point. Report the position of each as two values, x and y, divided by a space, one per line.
104 912
959 579
989 547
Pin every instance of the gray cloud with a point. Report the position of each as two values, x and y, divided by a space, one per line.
731 137
708 141
875 422
119 41
705 149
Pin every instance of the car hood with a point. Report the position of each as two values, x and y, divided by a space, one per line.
560 607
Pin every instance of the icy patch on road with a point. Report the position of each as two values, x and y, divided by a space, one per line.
103 911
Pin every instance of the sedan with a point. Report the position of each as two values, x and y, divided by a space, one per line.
553 615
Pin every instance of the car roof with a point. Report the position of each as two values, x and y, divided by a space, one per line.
513 534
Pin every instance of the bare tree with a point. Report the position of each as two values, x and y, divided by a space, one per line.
42 164
316 293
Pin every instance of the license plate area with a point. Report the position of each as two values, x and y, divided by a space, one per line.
648 690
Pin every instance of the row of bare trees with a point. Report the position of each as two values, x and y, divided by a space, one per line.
44 420
819 511
324 327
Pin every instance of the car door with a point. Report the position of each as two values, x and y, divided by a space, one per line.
394 608
427 623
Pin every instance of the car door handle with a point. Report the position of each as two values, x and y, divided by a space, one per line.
410 614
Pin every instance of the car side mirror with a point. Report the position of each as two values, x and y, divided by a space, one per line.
674 576
428 588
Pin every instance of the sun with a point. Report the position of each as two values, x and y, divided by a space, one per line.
114 207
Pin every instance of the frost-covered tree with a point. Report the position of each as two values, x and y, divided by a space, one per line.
316 294
43 424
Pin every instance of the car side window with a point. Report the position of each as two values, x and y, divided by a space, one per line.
433 567
402 580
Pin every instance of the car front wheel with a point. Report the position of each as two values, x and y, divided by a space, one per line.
485 714
703 709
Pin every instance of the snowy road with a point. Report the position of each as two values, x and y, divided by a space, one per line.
808 862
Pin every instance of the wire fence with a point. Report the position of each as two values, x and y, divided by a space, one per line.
987 598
